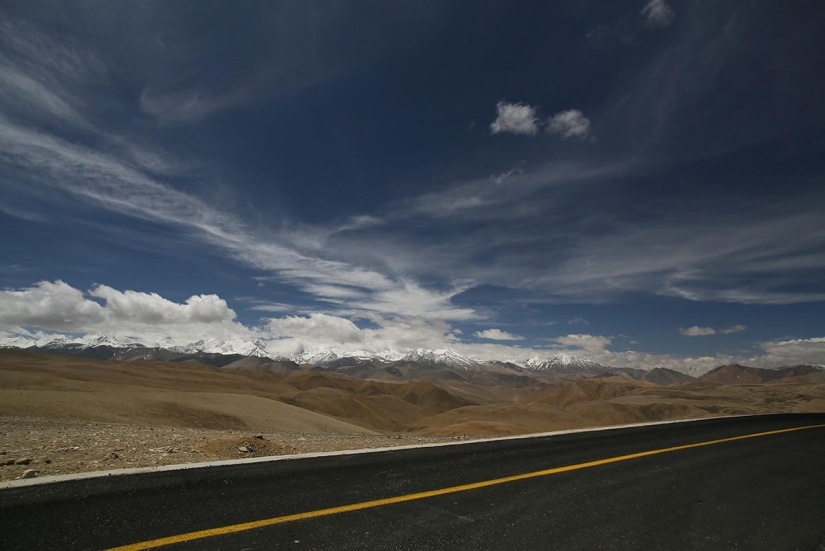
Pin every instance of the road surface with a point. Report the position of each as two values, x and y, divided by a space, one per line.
741 483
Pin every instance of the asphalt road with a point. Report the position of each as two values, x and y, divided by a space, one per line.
765 492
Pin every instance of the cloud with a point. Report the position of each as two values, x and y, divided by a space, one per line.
107 181
593 344
657 13
49 309
579 321
521 118
569 124
332 329
497 335
515 118
696 331
50 305
796 351
57 306
151 308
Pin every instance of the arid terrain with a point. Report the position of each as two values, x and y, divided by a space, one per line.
67 414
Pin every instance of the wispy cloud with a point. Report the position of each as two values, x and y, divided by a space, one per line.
657 13
44 80
697 331
593 344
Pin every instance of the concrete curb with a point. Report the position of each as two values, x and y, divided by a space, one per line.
206 464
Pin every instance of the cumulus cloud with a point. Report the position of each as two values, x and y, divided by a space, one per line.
657 13
796 351
47 310
697 331
332 329
151 308
569 124
50 305
497 335
389 336
515 118
57 306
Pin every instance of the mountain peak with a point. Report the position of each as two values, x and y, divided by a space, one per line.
563 363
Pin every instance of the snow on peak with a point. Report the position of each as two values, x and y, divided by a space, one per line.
211 345
318 356
17 342
562 362
93 341
443 356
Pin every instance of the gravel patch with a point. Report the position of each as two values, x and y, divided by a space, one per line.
55 446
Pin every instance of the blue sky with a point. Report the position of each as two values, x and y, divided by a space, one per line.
639 182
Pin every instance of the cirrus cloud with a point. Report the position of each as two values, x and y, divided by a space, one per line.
697 331
657 13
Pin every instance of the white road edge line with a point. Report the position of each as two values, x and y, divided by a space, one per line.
224 462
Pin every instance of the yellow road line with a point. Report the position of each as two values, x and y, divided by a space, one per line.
231 529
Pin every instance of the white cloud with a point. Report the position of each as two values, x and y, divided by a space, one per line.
391 335
696 331
657 13
151 308
57 306
578 321
497 335
796 351
109 182
569 124
331 329
50 305
593 344
515 118
37 312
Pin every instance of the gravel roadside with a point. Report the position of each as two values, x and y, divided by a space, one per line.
52 446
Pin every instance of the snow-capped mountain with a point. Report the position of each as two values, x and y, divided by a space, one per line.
62 342
441 357
319 356
210 345
564 363
92 341
17 342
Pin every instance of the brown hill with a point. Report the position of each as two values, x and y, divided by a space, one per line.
666 377
159 393
585 390
735 373
383 405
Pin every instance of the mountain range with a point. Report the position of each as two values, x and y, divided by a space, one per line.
416 363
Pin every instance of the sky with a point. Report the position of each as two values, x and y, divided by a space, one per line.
640 183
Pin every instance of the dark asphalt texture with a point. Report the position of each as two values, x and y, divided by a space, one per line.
759 493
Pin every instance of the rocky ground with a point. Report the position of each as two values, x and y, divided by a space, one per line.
54 447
